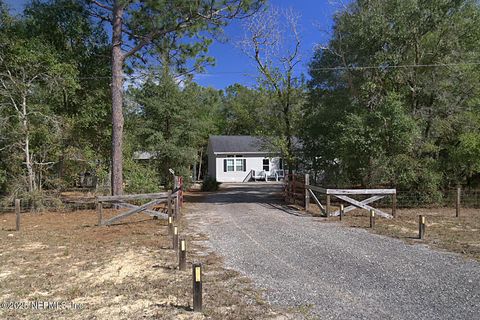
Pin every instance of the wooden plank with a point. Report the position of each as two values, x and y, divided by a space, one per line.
394 205
350 208
126 197
17 214
151 213
307 194
132 211
360 191
327 206
99 213
315 188
317 201
358 204
458 202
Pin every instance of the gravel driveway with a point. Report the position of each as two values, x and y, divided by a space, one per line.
334 271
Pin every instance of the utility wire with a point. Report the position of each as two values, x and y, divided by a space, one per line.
339 68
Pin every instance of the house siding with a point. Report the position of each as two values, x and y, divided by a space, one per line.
253 162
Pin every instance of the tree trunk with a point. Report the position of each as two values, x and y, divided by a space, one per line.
26 148
200 164
117 101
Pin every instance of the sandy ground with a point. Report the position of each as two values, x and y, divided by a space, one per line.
69 268
334 271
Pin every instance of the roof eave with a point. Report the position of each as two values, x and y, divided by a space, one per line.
246 152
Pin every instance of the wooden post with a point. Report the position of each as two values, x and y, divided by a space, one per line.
457 211
307 194
327 206
372 218
294 186
197 287
421 227
169 203
175 238
17 213
177 205
182 255
170 225
341 212
394 205
100 213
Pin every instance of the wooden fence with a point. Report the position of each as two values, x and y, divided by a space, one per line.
299 191
172 199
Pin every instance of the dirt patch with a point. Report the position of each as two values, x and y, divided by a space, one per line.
443 229
126 271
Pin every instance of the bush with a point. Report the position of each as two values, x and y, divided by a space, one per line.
210 184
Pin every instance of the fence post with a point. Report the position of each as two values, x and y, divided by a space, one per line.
294 186
175 238
372 218
17 213
181 191
177 205
197 287
170 225
169 203
327 206
459 193
421 227
307 194
341 212
100 213
182 255
394 204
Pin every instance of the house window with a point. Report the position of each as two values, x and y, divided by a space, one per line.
230 165
280 164
240 165
266 164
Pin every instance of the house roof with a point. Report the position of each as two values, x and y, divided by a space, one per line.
239 144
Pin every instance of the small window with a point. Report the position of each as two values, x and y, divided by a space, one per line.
240 165
266 164
280 164
230 165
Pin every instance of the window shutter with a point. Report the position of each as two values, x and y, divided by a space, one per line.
244 165
224 165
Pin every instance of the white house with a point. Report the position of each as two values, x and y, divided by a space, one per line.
241 159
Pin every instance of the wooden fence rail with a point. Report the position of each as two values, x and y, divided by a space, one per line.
172 199
299 191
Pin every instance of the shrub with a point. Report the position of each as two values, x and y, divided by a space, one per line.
210 184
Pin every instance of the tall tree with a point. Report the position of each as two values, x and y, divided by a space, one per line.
244 111
273 42
138 29
67 27
30 74
173 123
385 103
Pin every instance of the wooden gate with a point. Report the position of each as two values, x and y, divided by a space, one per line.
299 191
294 191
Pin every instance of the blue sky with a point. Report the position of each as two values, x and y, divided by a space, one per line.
232 66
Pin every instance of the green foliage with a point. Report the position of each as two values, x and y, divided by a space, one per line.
244 111
210 184
48 53
405 120
172 123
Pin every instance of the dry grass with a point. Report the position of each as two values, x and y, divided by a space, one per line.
443 229
126 271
